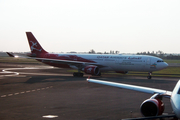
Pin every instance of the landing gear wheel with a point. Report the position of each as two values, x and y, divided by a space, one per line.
149 76
99 74
78 74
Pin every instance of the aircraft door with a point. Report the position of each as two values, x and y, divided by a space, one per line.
118 61
118 64
148 61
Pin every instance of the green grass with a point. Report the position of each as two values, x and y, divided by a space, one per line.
168 72
172 61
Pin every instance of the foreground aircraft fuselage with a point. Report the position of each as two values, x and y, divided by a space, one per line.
154 106
94 64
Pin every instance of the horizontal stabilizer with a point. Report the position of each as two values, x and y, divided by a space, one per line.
10 54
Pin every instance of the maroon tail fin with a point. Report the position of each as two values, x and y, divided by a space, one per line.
34 45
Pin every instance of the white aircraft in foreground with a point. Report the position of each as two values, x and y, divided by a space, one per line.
94 64
154 105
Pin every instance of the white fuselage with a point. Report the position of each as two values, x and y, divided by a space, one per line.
95 62
117 63
175 100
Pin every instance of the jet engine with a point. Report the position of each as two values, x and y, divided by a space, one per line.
152 107
93 70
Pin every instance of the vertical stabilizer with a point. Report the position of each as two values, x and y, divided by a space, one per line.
34 45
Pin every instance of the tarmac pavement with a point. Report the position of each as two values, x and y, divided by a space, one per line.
38 92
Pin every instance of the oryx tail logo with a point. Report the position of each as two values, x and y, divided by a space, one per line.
34 46
153 65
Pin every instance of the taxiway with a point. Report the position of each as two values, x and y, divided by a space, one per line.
39 92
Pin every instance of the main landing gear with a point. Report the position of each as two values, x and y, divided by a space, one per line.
149 75
78 74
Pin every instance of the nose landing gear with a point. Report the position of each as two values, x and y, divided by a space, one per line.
149 75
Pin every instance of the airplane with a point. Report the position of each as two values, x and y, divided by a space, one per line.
154 106
94 64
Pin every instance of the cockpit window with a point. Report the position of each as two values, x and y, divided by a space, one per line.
160 61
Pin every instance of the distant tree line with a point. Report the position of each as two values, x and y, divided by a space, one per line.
159 53
111 52
162 55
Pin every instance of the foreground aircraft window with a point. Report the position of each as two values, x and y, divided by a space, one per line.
178 91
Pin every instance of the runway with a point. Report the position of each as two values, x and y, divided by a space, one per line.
41 92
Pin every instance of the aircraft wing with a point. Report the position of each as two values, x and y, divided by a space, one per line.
132 87
44 60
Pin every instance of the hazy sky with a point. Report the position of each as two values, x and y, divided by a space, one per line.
128 26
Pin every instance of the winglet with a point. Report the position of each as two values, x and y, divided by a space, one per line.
10 54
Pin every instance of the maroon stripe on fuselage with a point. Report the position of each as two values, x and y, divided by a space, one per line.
65 57
62 57
59 65
55 64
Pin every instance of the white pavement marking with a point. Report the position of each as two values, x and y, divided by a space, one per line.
16 93
9 71
28 91
50 116
3 95
10 94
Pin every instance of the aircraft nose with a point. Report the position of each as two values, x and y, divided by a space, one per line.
162 65
165 65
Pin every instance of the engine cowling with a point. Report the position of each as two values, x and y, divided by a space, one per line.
93 70
152 107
